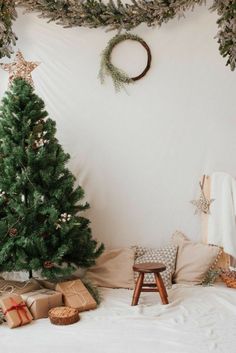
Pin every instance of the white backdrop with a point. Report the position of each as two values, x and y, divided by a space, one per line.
138 156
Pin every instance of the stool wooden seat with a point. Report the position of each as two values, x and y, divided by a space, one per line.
150 267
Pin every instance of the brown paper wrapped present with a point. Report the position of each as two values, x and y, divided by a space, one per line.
76 295
15 310
9 287
41 301
44 283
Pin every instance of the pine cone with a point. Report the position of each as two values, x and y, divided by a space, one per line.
44 235
48 264
12 232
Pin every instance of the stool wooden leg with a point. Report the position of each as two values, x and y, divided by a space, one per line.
162 289
138 289
163 286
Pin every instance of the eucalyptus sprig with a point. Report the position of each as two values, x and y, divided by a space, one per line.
119 77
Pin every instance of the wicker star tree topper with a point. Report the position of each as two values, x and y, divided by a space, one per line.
20 68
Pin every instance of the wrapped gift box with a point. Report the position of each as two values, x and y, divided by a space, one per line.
47 284
9 287
41 301
76 295
15 310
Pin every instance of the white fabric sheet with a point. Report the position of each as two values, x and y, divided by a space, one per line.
139 155
197 320
222 221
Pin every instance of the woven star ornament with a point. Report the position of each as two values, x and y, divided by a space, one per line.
20 68
202 204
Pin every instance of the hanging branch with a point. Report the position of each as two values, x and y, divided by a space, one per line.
227 29
7 36
114 14
118 15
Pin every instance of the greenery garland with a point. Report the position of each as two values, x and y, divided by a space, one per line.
119 77
227 33
7 37
118 15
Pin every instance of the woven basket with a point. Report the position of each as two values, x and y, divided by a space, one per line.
63 315
229 277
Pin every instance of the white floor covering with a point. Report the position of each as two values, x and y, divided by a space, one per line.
197 320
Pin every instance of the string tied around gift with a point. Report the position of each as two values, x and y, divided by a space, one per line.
71 292
20 309
31 298
11 288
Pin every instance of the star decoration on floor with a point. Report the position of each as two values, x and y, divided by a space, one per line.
20 68
202 204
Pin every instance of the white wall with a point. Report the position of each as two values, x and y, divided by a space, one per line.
138 156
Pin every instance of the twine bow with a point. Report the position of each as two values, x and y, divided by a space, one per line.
20 309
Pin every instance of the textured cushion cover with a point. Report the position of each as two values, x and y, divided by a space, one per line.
165 255
113 269
193 259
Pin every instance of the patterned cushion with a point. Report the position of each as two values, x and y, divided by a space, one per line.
165 255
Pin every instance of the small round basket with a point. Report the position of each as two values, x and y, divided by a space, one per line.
229 277
63 315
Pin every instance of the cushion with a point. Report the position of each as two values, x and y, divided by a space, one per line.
193 259
9 287
165 255
113 269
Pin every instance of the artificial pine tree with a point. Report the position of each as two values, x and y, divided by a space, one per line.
40 224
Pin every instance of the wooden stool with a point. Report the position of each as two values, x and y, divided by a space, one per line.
150 267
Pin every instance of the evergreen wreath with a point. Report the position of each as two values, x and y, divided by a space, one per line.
118 15
119 77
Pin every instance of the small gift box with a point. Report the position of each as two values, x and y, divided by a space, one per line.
76 295
15 310
41 301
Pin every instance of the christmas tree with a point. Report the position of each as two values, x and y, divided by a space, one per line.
41 227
